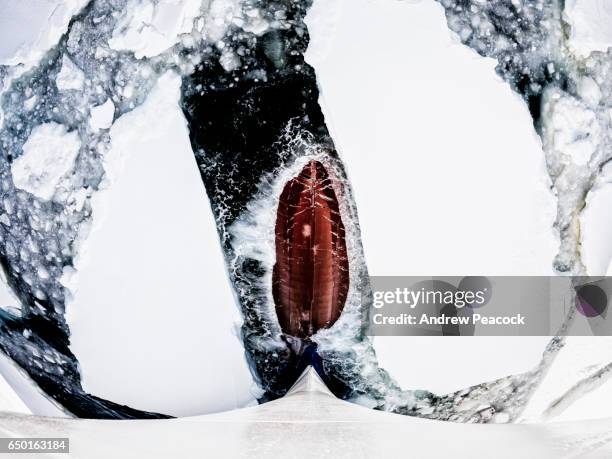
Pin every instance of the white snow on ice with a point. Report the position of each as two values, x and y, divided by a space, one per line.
575 133
154 322
572 127
31 27
8 300
591 25
448 173
222 14
48 155
583 357
9 400
596 226
102 115
19 394
150 27
435 144
70 76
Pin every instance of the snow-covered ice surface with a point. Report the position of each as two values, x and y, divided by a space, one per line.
77 90
313 422
590 25
165 307
438 113
241 64
455 207
32 27
101 116
20 394
48 155
9 401
595 218
8 300
149 28
69 76
569 96
577 385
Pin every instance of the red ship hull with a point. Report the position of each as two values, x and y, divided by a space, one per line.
311 275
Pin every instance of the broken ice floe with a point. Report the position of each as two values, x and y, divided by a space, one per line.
69 76
137 324
31 30
148 28
589 22
596 244
569 95
530 43
75 92
106 64
48 155
101 116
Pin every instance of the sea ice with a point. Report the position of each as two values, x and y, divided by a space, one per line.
102 115
595 219
589 22
432 117
32 27
152 306
70 76
8 300
41 238
150 27
19 394
582 357
568 95
48 155
434 155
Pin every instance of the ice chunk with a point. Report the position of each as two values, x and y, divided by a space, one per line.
229 60
102 115
572 129
590 22
148 27
222 14
8 300
48 154
70 76
589 90
153 307
29 28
